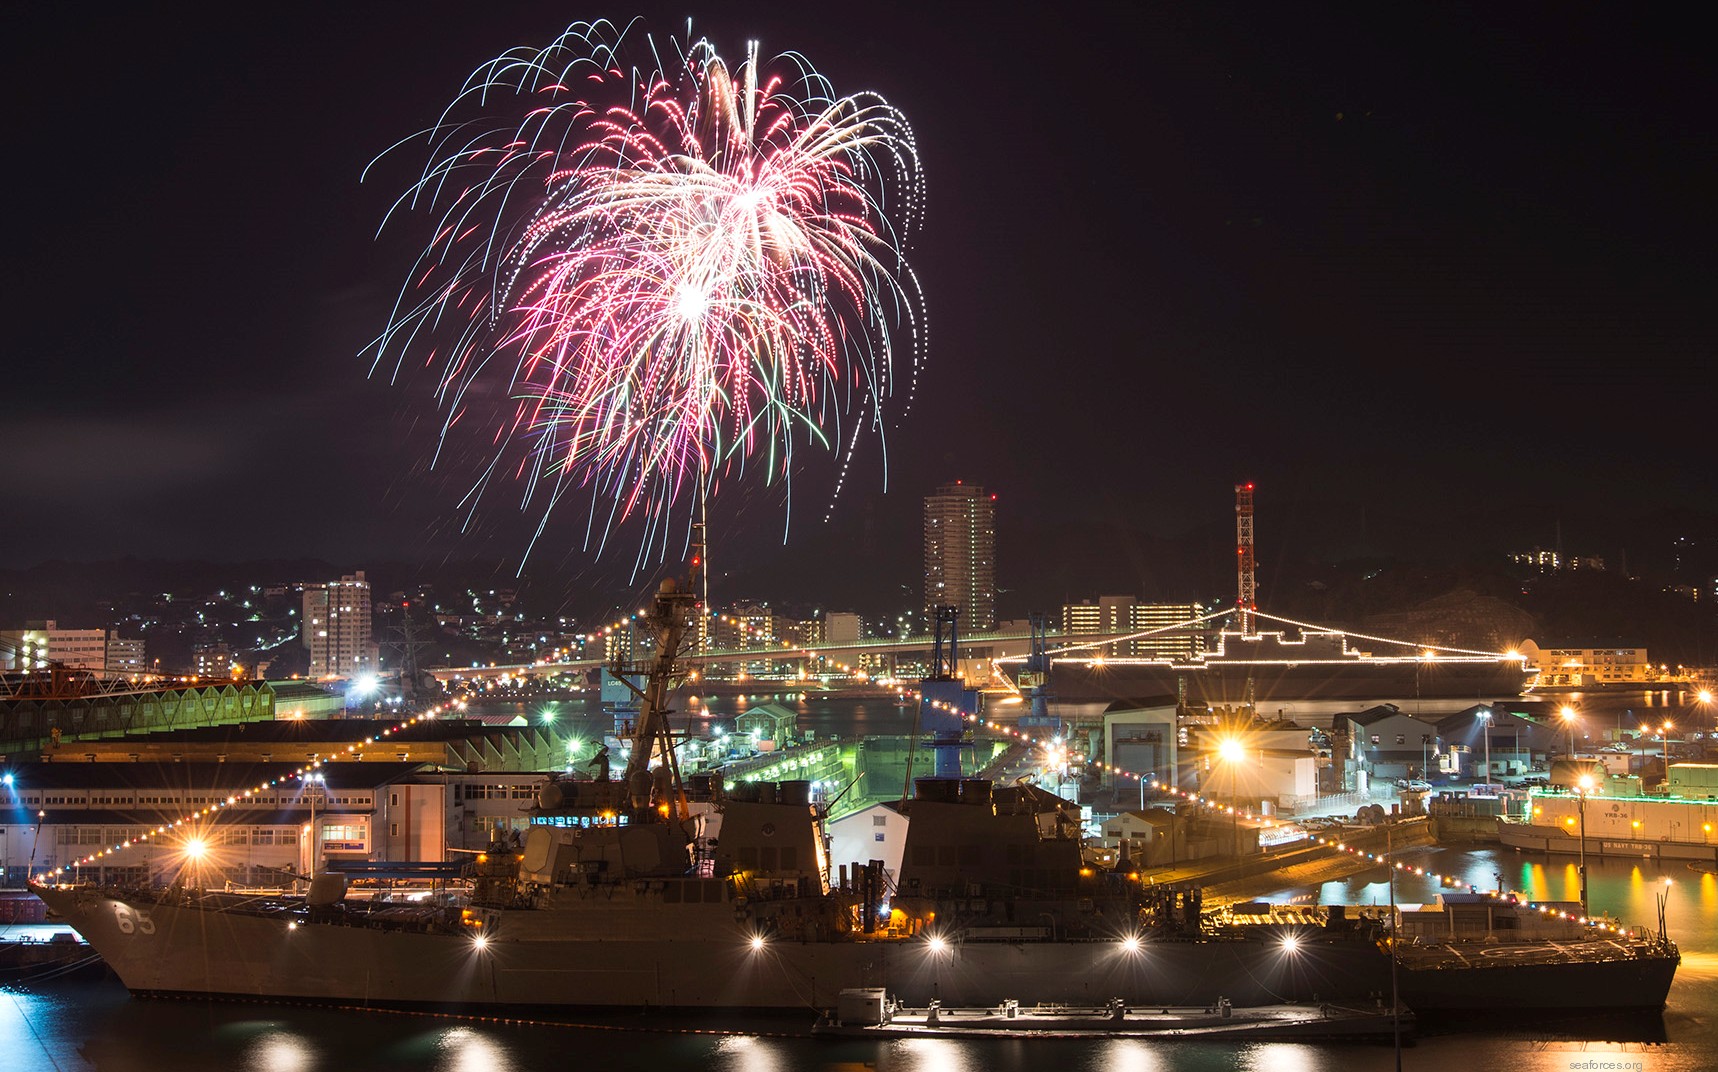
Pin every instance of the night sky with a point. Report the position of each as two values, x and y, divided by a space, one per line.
1427 276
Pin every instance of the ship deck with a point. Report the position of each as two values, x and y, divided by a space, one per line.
1520 954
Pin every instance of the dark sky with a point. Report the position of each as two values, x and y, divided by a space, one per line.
1447 270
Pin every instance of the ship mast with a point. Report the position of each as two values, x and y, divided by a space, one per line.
669 620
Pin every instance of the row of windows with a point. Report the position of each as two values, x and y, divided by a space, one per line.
1401 738
258 835
300 799
524 791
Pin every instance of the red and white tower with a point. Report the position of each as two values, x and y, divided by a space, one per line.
1246 583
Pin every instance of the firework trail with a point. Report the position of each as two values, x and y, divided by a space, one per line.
671 272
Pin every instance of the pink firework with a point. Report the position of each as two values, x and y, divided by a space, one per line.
677 273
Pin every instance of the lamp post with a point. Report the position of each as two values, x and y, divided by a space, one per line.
1568 714
1485 720
1230 751
1582 788
37 840
311 781
1664 738
7 780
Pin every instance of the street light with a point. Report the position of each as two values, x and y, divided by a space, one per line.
193 851
1664 737
1485 717
1568 714
312 780
1583 786
1230 751
37 840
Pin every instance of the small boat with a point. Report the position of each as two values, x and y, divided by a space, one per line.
31 959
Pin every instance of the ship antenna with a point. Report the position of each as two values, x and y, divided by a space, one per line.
669 620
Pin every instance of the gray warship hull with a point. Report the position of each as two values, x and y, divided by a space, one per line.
529 962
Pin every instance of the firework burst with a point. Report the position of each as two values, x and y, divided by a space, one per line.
674 273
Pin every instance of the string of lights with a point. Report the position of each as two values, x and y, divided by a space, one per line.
192 818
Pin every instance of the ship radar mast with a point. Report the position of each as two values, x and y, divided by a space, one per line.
670 620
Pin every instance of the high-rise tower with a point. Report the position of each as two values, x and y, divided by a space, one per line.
960 555
336 627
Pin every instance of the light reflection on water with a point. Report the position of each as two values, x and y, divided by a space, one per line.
281 1051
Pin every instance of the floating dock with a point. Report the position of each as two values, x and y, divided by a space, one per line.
870 1014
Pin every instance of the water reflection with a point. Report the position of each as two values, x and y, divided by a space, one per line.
463 1049
1284 1057
934 1055
281 1051
746 1053
17 1037
1134 1055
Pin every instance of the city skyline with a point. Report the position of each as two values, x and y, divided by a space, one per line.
1417 300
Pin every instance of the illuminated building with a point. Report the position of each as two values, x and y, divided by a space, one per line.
212 660
125 657
41 643
1124 614
1588 664
960 555
336 627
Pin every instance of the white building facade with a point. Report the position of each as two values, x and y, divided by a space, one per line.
40 644
337 626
